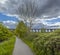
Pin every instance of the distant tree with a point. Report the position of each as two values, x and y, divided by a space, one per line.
21 29
42 30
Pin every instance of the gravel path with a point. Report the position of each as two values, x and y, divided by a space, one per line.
21 48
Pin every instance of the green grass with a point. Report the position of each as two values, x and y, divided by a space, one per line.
7 41
41 43
47 43
6 47
44 43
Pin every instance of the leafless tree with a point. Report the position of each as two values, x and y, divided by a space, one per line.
27 9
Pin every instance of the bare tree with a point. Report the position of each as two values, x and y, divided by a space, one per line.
29 9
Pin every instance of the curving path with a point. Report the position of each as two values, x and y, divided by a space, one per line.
21 48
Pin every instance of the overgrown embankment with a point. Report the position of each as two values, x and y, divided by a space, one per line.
41 43
7 41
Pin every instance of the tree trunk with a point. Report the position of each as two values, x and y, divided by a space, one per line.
30 24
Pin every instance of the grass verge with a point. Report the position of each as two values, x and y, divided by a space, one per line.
6 47
44 43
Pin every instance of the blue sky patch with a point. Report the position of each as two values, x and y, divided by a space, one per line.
5 18
53 20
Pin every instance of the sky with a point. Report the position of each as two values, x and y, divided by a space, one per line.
49 22
49 9
4 17
8 21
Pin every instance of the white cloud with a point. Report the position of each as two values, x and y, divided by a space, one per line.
45 16
58 17
11 15
3 1
44 21
56 24
50 18
10 22
37 21
14 15
40 21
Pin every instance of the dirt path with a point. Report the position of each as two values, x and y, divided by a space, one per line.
21 48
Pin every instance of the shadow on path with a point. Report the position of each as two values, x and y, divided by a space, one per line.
21 48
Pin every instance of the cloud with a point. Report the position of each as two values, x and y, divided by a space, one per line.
43 21
58 23
46 21
9 22
13 15
55 24
3 1
49 8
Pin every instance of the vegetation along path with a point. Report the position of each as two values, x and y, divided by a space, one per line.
21 48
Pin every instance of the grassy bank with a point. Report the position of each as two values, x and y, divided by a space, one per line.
47 44
41 43
44 43
6 47
7 41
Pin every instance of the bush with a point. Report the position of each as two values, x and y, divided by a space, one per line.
47 44
7 41
4 33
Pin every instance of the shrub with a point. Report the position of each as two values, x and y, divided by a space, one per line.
21 29
7 41
47 44
4 33
44 43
